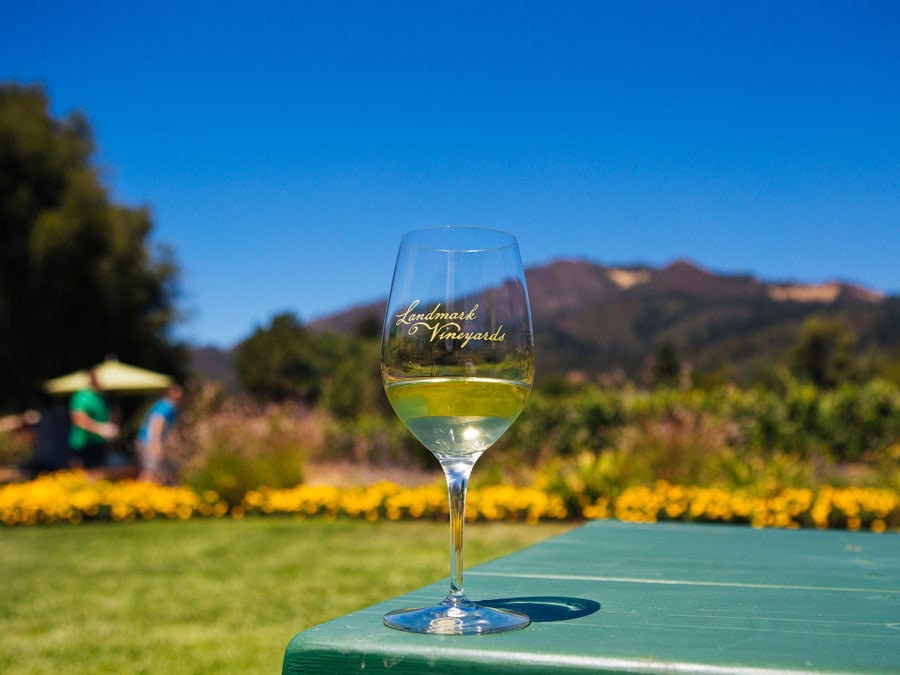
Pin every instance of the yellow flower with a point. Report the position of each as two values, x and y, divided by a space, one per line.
72 496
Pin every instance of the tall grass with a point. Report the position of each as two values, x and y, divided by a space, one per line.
220 596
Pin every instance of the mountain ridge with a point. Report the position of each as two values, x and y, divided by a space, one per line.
580 278
598 319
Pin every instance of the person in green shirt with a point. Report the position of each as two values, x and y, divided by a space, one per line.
90 431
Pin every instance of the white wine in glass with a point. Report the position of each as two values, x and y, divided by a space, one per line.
457 362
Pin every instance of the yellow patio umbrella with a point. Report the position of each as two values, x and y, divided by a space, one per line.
114 376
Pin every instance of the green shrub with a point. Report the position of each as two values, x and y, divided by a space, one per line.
604 439
374 440
236 451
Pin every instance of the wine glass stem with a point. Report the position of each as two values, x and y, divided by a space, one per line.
457 474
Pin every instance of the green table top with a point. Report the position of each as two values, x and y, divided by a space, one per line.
632 598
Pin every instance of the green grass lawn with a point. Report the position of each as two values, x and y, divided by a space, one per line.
209 596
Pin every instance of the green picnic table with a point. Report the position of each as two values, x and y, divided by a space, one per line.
616 597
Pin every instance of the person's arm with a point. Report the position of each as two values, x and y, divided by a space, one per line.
82 420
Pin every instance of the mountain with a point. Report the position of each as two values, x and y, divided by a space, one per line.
613 319
602 320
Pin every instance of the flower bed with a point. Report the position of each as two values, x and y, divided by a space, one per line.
851 508
74 497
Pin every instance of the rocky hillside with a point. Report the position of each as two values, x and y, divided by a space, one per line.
604 320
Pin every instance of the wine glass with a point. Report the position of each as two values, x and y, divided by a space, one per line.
457 363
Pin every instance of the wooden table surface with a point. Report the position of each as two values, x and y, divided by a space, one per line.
633 598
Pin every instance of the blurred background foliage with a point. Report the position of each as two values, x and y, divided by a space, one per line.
80 278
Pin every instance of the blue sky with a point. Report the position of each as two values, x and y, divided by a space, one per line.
284 147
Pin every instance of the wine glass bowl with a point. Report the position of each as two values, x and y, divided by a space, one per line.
457 362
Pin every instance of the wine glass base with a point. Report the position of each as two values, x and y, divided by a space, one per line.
454 618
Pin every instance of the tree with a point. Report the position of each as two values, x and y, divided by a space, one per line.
354 380
823 352
666 366
280 362
78 276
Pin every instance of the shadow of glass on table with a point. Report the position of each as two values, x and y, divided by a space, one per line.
546 609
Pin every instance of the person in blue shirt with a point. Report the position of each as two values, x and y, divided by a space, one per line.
152 435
